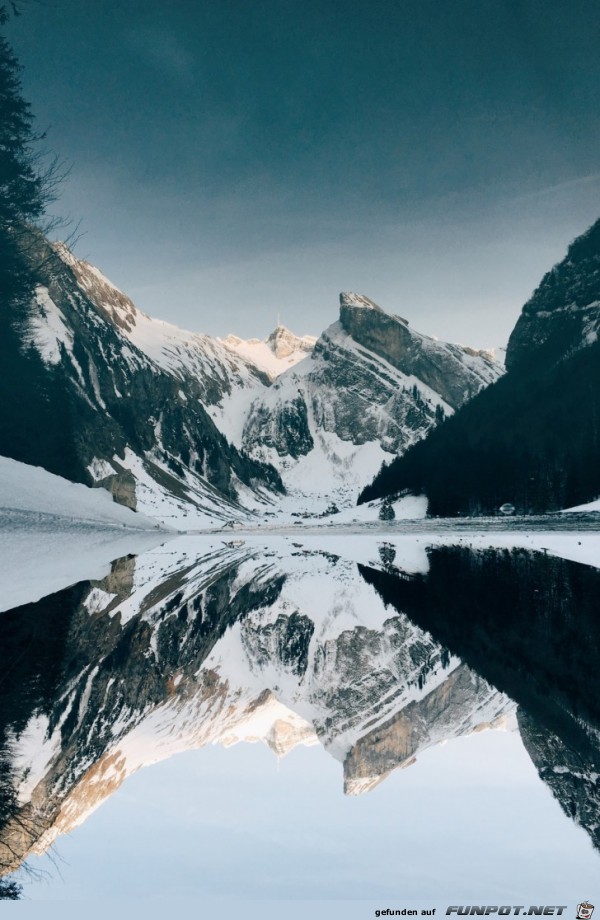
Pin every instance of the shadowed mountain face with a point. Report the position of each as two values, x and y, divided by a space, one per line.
527 622
197 643
570 773
533 437
563 315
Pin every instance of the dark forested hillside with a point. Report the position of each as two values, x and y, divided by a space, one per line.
532 438
526 622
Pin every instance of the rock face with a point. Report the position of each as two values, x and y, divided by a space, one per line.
422 723
572 776
563 315
284 343
370 388
176 651
281 427
455 372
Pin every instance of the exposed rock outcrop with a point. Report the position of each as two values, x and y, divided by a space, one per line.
563 314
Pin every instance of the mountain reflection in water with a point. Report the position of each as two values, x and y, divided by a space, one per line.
528 623
196 643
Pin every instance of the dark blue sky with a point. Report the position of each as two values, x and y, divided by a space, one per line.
231 160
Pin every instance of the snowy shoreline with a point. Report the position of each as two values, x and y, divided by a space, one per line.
40 560
55 533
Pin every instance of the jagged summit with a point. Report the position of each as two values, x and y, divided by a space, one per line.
350 302
456 372
275 354
284 343
370 387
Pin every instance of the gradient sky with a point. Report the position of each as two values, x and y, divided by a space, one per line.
232 160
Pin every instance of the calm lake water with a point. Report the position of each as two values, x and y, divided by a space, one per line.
366 719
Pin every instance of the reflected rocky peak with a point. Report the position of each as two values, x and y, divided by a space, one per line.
200 642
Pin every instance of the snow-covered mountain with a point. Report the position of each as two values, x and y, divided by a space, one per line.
191 429
100 393
64 531
370 388
279 644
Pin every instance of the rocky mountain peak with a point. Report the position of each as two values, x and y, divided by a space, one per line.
357 309
117 306
284 343
456 372
349 299
280 351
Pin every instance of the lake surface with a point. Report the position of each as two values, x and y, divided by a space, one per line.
301 717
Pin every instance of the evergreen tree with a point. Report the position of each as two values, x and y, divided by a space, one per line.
387 554
34 419
24 189
10 891
386 512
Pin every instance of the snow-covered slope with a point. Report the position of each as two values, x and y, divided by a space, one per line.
189 356
589 506
31 488
54 532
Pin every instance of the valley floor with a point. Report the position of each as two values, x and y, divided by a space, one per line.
549 523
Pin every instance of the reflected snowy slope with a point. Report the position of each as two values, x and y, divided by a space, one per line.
216 641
